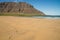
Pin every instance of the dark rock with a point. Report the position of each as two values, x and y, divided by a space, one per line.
20 7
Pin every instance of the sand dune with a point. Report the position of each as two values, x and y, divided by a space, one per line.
23 28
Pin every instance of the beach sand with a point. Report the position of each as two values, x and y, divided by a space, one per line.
25 28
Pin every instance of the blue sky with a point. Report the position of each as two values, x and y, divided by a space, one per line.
49 7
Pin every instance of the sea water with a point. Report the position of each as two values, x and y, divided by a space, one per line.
49 17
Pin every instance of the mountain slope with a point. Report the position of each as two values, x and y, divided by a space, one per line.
21 8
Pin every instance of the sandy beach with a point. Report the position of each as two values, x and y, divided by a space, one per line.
25 28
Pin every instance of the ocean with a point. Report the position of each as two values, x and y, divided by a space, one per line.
48 16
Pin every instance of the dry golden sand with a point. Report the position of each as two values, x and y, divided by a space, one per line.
23 28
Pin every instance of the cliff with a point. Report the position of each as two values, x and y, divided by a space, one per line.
21 8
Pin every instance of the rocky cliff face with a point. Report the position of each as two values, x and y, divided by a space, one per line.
20 7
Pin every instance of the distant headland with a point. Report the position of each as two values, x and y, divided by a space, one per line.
20 8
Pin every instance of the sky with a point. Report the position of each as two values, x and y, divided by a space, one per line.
49 7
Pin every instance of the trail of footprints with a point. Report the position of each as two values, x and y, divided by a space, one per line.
15 34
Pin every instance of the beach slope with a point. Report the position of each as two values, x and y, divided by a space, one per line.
25 28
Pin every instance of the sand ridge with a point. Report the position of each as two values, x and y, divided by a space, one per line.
23 28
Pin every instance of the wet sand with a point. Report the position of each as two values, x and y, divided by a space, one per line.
25 28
